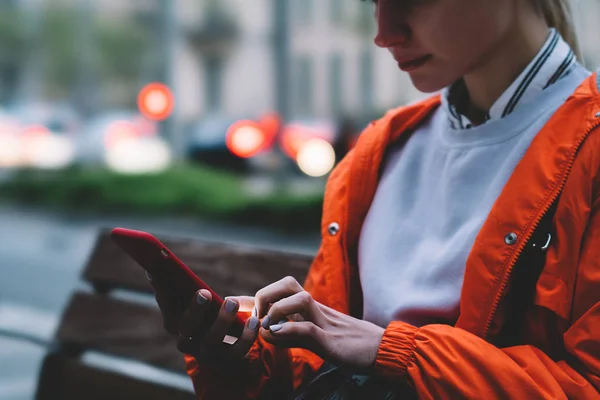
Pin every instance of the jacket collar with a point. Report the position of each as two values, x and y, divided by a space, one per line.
526 196
553 61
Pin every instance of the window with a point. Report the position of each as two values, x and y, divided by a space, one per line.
336 11
336 82
304 85
304 11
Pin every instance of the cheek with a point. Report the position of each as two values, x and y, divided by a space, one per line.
459 38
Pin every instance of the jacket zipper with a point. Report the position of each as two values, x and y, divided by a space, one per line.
509 268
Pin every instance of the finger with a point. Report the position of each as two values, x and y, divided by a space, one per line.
304 335
246 303
225 318
295 318
194 328
300 303
245 342
274 292
192 320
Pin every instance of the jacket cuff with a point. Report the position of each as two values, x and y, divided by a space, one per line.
396 351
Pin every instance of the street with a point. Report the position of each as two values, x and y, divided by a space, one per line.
41 257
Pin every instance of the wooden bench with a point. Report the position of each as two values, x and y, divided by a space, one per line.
97 320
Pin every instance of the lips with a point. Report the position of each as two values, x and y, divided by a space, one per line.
407 64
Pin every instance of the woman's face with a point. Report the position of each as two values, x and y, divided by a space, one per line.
439 41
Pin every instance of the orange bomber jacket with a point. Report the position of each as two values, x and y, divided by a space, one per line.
527 329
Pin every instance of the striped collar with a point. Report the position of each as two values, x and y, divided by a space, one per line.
554 61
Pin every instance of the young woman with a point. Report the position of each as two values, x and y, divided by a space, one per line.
460 246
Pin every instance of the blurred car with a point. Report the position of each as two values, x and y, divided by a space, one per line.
309 143
235 144
38 135
123 141
59 119
316 145
312 145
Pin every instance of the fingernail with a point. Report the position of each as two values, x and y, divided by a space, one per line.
148 276
254 312
201 299
230 306
265 323
253 323
275 328
283 321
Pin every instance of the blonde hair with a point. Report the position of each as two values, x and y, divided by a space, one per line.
559 15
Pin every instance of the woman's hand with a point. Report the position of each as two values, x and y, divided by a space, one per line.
295 319
202 338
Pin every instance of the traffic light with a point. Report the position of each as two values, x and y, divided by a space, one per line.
156 101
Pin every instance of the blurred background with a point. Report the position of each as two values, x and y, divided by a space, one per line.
217 119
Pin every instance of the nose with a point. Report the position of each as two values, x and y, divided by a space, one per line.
392 26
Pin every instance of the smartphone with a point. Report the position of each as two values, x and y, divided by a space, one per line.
170 272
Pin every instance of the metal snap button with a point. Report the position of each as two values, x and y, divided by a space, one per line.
333 228
598 114
511 238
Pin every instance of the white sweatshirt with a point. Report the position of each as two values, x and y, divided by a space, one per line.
437 190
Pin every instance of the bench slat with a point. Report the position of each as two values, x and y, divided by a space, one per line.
118 328
68 379
228 269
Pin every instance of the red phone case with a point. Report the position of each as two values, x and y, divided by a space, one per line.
170 271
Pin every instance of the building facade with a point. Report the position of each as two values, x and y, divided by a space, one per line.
334 67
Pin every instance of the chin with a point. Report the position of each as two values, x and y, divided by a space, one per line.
430 82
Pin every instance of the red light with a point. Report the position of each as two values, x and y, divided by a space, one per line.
118 131
294 135
36 130
146 127
156 101
292 138
270 123
246 138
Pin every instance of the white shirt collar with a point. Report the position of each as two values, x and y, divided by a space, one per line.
554 61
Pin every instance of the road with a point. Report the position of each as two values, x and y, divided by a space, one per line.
41 257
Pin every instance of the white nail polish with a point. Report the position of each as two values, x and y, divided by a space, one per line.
276 328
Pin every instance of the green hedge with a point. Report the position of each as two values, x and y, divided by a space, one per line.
180 191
